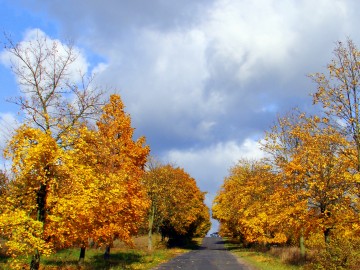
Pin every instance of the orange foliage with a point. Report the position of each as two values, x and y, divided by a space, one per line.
307 184
109 203
177 201
64 196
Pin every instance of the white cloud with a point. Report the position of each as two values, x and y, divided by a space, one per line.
162 83
99 68
209 165
251 34
253 38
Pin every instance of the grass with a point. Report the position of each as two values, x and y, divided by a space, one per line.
121 256
273 259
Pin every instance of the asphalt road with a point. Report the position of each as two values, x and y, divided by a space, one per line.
212 255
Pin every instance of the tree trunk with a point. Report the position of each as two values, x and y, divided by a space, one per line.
107 252
35 261
327 235
41 203
302 246
82 255
151 223
358 158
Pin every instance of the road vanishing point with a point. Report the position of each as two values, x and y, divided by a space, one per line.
212 255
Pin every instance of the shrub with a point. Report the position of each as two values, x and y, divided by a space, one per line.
340 253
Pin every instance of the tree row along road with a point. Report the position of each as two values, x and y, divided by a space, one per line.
211 255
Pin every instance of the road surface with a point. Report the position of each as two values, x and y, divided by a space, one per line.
212 255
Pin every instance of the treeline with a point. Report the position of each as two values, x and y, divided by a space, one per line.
305 191
77 175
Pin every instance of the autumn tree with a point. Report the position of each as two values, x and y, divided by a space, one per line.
177 205
39 178
183 206
314 163
246 204
321 173
56 91
338 91
280 145
155 185
122 160
313 173
306 185
56 97
109 201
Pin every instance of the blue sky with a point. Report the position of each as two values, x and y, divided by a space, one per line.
201 79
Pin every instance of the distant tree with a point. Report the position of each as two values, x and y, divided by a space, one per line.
177 205
155 185
247 204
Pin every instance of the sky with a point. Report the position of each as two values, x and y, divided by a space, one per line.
202 79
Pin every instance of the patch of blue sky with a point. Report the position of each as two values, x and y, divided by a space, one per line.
8 89
93 59
270 108
16 20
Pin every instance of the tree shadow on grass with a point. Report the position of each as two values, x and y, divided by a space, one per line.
116 259
122 259
60 263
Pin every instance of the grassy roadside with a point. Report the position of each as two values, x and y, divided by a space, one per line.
264 260
122 257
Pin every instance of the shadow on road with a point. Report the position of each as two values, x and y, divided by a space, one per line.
184 243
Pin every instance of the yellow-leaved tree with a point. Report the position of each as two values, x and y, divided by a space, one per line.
247 204
40 178
54 102
177 207
316 168
122 160
109 202
338 92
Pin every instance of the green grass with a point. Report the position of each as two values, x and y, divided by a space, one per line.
262 260
121 257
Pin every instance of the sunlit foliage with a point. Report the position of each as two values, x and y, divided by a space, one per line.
177 204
